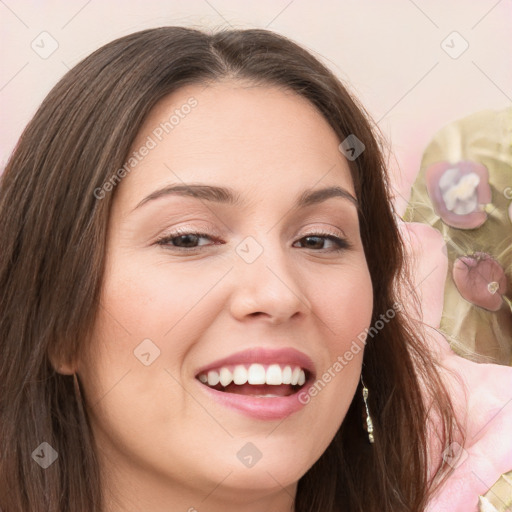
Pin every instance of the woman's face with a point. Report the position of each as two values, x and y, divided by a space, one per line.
265 275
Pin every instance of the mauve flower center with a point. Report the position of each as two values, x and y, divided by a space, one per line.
459 192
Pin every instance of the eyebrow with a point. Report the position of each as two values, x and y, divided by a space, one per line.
226 195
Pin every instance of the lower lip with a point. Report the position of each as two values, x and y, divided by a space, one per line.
270 408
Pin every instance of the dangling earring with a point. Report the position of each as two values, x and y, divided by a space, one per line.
369 423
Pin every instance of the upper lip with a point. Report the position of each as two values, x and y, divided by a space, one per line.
289 356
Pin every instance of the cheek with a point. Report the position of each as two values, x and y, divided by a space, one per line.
157 300
145 317
151 316
344 302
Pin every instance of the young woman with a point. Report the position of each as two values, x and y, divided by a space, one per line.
177 332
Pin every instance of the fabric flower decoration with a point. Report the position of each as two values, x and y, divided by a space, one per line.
481 280
459 192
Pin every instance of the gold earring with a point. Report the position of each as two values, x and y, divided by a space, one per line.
369 423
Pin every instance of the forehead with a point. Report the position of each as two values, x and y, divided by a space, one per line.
257 138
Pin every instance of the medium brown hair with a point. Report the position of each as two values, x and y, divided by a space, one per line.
53 231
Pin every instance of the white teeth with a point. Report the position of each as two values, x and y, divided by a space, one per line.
213 378
225 377
274 377
287 375
240 375
255 374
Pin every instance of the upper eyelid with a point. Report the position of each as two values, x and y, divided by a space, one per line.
204 231
324 233
344 222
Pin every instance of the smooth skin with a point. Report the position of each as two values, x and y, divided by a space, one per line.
164 445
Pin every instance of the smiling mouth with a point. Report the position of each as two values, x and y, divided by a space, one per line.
257 380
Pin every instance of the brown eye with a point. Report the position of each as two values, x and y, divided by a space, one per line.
317 241
183 240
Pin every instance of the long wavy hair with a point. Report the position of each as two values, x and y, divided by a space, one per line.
53 235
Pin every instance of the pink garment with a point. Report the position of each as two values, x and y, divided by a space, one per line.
484 400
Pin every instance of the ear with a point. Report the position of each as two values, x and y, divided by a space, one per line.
60 364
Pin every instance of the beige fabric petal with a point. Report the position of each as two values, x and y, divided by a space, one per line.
484 137
499 497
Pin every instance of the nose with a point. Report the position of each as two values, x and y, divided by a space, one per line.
271 286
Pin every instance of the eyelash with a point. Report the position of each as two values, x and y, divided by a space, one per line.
342 243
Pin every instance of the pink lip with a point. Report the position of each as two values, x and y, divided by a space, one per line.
273 408
261 355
